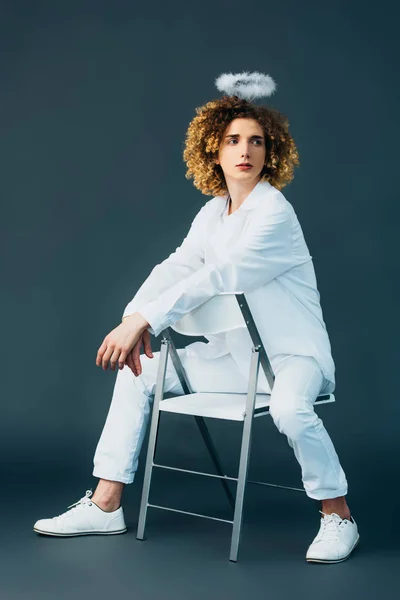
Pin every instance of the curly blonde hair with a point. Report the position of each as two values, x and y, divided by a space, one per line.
205 134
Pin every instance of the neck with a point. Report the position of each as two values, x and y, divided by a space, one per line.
238 192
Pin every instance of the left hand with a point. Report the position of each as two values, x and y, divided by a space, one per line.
120 341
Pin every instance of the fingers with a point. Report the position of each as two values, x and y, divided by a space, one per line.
117 345
118 356
136 356
133 358
112 354
109 353
105 357
129 362
146 344
100 353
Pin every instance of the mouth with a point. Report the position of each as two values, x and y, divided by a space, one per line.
244 166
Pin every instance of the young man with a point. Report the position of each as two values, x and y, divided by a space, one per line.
247 237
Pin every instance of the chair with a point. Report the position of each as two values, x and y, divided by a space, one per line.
223 312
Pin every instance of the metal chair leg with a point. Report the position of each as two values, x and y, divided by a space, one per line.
244 454
176 361
158 396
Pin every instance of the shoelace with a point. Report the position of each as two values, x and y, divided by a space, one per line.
330 527
84 501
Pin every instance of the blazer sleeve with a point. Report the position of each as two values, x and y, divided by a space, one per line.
186 260
263 252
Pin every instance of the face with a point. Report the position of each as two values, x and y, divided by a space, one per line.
243 141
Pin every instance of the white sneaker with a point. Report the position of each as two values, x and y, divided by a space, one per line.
335 541
86 518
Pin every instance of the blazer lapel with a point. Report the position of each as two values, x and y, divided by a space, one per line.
222 233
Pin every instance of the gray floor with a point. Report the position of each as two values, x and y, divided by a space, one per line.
187 557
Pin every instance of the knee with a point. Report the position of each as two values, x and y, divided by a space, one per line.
293 421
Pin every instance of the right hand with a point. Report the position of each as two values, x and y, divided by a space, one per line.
133 358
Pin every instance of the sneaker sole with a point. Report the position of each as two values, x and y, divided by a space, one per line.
326 561
80 533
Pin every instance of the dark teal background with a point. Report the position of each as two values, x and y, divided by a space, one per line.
95 100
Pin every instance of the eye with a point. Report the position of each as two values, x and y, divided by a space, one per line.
258 142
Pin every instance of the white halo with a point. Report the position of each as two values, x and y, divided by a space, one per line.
246 85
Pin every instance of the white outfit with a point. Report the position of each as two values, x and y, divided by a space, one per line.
260 250
298 381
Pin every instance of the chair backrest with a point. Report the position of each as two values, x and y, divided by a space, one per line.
220 313
224 312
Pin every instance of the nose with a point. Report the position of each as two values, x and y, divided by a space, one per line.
245 153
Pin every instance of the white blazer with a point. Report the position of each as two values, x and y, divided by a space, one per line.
262 253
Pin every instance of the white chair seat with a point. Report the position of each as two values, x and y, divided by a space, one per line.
220 405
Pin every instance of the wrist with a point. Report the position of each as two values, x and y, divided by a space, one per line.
138 319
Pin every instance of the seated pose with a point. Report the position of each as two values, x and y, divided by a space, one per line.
246 238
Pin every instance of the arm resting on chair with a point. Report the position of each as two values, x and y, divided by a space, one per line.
186 260
262 253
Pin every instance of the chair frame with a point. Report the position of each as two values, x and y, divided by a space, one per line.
259 356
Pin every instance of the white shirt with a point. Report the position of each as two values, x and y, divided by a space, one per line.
258 250
225 226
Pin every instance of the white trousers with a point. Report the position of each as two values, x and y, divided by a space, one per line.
298 382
